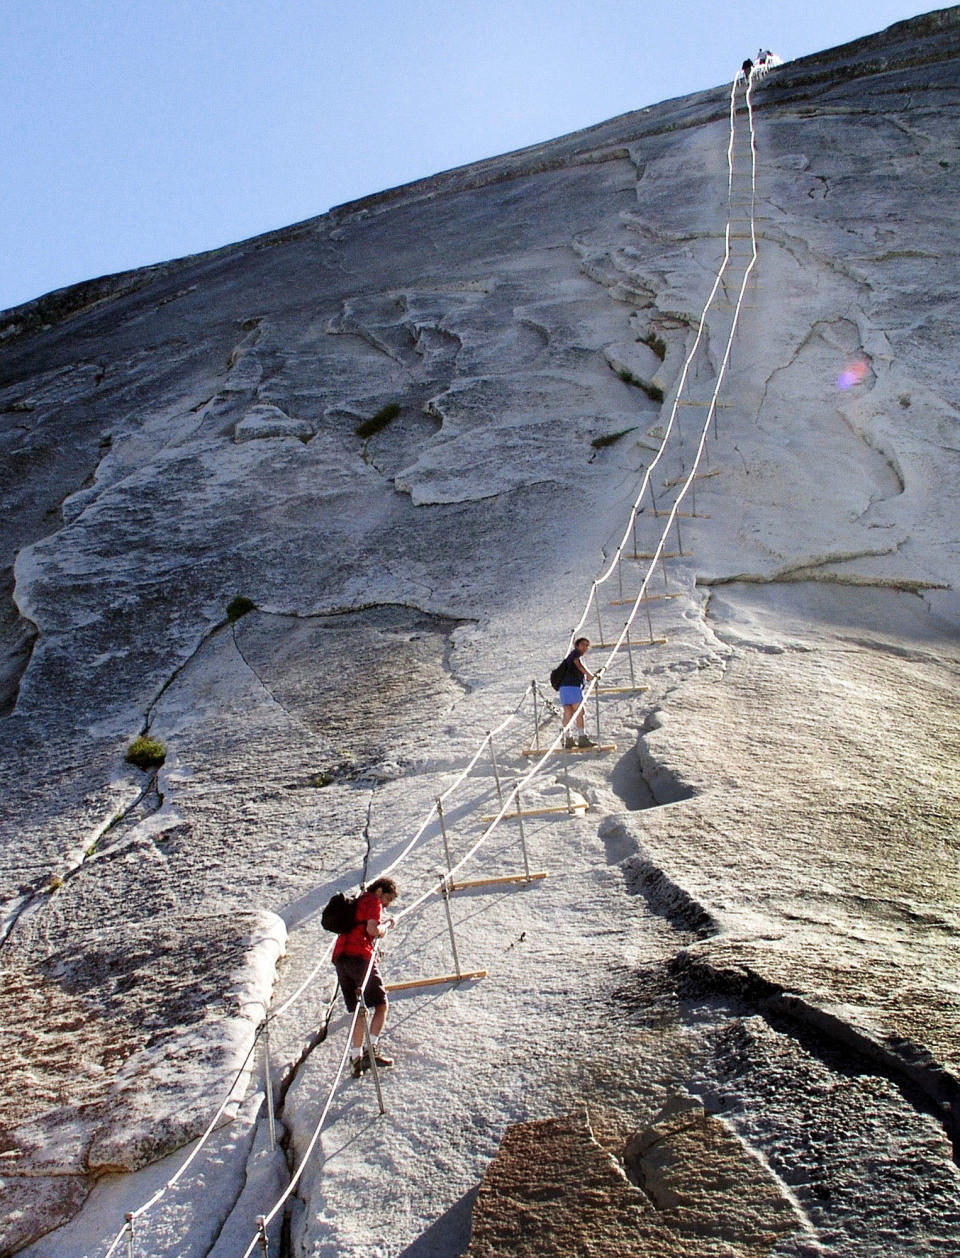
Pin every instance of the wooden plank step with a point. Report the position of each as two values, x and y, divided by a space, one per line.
670 484
568 751
718 406
433 982
539 812
647 598
681 515
472 883
649 554
622 690
633 646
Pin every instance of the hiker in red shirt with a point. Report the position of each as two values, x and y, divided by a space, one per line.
352 955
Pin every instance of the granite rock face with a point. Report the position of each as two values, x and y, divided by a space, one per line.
683 1185
313 509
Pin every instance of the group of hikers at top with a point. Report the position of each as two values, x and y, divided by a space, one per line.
759 63
354 956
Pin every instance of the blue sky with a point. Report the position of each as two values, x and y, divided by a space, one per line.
141 130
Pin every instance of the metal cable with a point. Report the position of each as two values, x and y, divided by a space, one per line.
548 754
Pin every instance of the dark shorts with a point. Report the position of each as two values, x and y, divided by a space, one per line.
350 972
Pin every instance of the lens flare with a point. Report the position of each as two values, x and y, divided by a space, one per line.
853 374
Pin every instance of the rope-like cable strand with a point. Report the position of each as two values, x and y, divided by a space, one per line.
172 1181
298 1174
554 746
605 576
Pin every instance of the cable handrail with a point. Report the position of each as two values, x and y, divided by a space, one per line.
554 746
271 1214
550 751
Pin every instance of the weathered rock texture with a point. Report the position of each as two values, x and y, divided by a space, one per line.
760 907
686 1185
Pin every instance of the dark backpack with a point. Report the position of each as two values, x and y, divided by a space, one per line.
557 674
340 914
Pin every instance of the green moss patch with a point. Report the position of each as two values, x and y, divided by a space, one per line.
598 443
653 391
383 417
238 607
655 343
146 753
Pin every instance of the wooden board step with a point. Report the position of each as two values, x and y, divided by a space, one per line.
540 812
622 690
647 598
649 554
471 884
670 484
568 751
433 982
632 646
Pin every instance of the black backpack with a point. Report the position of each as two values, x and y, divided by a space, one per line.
340 914
557 674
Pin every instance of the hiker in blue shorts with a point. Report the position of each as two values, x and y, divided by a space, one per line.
571 692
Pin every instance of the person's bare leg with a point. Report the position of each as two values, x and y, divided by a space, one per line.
379 1018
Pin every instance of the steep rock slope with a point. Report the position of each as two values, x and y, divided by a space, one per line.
781 939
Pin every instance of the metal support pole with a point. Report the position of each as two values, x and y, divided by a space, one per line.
129 1235
653 497
493 759
646 608
536 718
445 893
620 574
633 680
596 603
268 1085
596 700
523 837
566 777
371 1057
636 547
443 831
676 524
262 1234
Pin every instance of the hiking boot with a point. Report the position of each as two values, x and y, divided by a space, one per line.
584 741
358 1065
381 1058
569 742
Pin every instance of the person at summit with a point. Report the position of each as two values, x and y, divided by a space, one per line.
352 954
571 692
